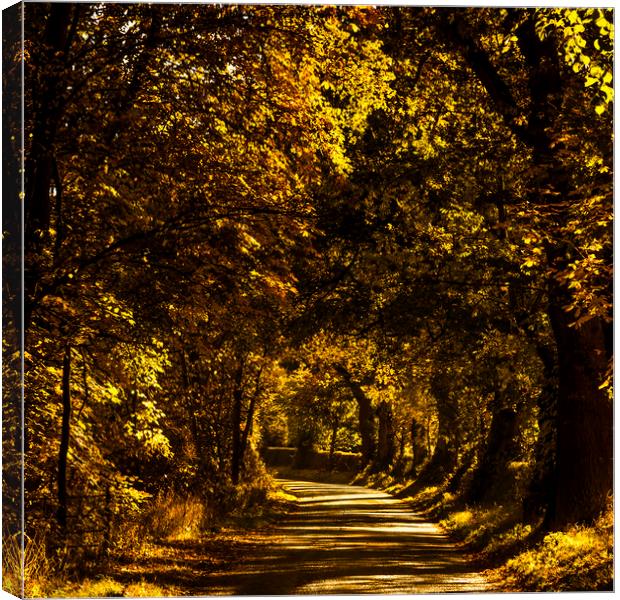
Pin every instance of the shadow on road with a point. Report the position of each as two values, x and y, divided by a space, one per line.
339 539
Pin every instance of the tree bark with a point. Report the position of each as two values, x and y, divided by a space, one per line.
332 441
190 403
249 418
235 468
584 423
490 479
584 461
65 433
445 455
385 446
419 444
47 107
540 496
366 415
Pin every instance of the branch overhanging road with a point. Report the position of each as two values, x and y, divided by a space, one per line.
343 539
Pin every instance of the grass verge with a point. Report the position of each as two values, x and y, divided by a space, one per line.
516 555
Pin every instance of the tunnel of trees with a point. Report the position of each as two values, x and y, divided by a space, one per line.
385 231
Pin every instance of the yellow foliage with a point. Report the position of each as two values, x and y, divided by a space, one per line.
580 559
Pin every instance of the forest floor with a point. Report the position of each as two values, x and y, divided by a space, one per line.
334 539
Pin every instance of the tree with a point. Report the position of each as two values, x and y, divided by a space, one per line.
545 126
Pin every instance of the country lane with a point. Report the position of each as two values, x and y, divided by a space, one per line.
344 539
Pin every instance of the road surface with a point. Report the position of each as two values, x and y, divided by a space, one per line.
343 539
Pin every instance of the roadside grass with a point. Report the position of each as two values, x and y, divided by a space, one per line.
517 556
491 531
11 565
579 559
97 587
168 527
516 559
108 587
171 516
39 568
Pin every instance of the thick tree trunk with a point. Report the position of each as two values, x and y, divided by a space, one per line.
419 443
47 108
366 416
366 419
65 433
584 462
445 456
385 445
442 462
366 428
489 481
584 471
540 497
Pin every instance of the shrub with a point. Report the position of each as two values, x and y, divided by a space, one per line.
172 516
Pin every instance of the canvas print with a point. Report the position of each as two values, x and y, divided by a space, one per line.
306 299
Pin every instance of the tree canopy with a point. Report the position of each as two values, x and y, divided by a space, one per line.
379 230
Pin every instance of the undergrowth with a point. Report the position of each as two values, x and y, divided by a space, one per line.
168 517
108 587
517 555
38 567
491 531
579 559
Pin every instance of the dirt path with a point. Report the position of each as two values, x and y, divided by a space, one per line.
340 539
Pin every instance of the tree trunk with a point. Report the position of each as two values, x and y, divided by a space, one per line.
366 416
190 403
584 425
540 497
249 418
385 446
47 108
332 441
419 444
65 432
46 97
305 449
445 456
490 479
584 462
235 468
